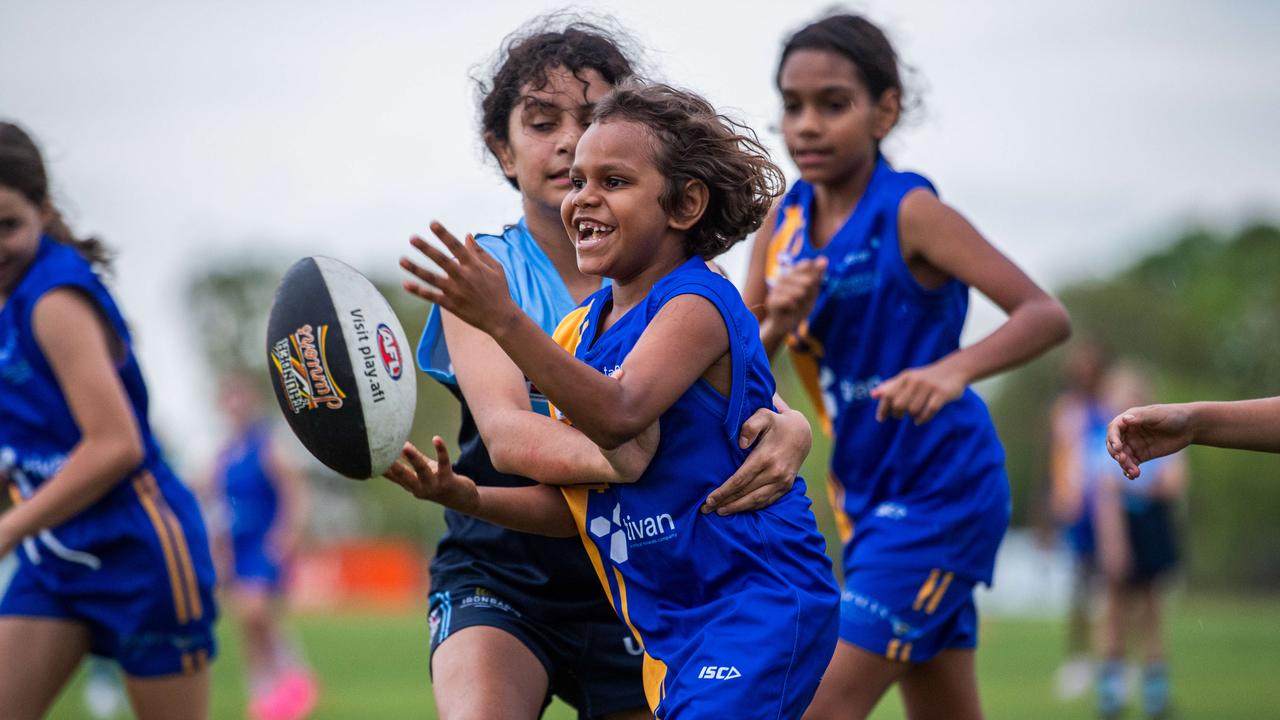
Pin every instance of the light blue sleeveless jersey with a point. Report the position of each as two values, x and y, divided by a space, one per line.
736 614
906 496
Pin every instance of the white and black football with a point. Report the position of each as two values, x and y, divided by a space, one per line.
341 367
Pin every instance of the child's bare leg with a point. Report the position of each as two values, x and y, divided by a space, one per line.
944 688
37 655
853 683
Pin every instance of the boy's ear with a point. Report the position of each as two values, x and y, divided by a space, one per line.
501 150
887 110
693 203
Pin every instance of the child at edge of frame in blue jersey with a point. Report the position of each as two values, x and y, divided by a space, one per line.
735 614
112 554
865 274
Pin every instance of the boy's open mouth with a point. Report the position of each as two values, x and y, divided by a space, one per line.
591 232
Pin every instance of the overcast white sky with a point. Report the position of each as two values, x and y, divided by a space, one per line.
1076 134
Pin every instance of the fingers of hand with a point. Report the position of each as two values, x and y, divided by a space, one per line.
932 405
437 256
448 239
442 454
758 499
754 427
733 488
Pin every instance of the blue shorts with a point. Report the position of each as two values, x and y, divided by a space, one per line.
908 615
142 583
253 565
593 665
751 665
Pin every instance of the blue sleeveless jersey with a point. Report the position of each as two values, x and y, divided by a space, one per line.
906 496
551 573
250 495
736 614
148 519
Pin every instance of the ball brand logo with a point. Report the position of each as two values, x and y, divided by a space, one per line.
390 351
621 529
303 367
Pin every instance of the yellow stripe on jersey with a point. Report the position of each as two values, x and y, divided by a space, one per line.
653 674
568 335
835 493
906 653
926 589
14 495
787 239
892 652
576 496
806 365
937 597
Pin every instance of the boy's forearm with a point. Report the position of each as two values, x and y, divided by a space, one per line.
1244 424
536 509
591 399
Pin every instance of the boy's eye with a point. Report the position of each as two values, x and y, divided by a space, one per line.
9 224
577 183
791 108
614 182
545 126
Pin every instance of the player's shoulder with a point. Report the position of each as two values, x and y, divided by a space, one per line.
511 247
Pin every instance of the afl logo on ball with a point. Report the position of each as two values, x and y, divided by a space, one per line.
390 351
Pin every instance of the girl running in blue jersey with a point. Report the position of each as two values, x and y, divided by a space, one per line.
516 617
113 558
266 503
735 614
865 274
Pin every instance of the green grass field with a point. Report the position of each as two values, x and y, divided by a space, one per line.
1225 663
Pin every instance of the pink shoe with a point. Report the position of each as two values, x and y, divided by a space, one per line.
296 694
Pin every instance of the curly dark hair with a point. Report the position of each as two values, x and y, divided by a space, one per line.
694 142
22 169
545 43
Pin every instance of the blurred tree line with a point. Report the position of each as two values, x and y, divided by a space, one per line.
1202 314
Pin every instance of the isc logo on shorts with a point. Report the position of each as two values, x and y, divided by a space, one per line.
718 672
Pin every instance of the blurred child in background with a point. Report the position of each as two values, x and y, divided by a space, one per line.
113 556
264 505
1138 550
1078 424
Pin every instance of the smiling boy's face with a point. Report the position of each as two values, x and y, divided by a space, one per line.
612 211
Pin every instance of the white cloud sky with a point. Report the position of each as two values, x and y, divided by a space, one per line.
1076 135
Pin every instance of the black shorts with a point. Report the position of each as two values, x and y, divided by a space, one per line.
593 665
1153 541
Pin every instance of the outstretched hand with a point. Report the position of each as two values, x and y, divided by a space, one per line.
917 392
433 480
473 286
1142 433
